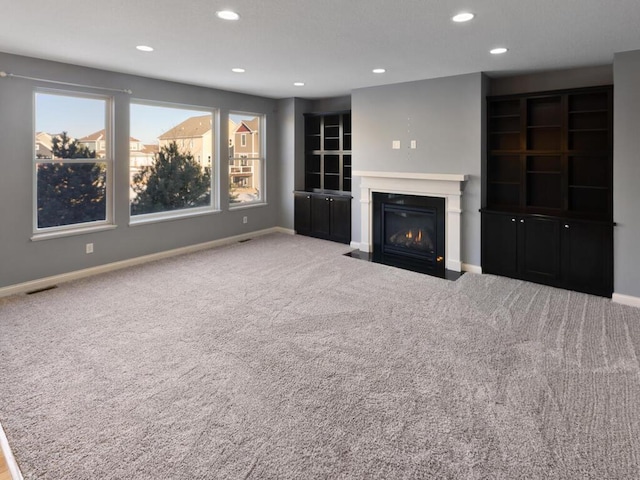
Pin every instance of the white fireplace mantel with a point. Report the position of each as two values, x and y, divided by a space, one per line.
447 186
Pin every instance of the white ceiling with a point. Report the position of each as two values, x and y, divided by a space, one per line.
331 45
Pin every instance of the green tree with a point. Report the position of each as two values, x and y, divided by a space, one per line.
64 147
174 181
70 193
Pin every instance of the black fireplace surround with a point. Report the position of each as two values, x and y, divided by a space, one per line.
408 232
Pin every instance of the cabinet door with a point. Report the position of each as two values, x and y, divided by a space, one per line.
587 257
499 244
539 249
340 219
320 216
302 213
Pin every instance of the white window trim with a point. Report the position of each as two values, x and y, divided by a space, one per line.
76 228
147 218
213 206
87 228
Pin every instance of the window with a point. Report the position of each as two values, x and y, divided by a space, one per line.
246 158
171 172
71 175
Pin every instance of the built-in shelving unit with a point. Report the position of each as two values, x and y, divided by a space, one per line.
550 155
328 151
323 208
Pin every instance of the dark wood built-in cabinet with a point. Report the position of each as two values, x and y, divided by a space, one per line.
548 216
323 215
323 208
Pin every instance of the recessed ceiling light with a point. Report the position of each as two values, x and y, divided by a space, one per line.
379 70
238 70
227 15
298 84
498 51
462 17
145 48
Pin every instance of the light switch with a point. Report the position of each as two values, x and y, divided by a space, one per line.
395 145
414 144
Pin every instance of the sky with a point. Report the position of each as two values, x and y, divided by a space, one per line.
82 116
77 116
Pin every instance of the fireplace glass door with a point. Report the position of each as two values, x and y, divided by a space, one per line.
408 232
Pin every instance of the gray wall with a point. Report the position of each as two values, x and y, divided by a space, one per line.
445 117
626 173
22 260
291 172
552 80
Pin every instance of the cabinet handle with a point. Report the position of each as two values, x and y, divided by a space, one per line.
522 220
326 198
331 199
566 225
513 219
308 196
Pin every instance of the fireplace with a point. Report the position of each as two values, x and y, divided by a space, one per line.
447 187
409 232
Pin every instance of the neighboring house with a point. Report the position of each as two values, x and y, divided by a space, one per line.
244 144
96 142
42 151
232 128
44 145
45 139
247 139
194 136
140 154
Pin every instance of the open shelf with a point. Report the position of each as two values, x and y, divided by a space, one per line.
544 111
504 168
505 108
544 138
501 194
551 151
504 140
327 145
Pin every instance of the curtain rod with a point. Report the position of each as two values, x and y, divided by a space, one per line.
13 75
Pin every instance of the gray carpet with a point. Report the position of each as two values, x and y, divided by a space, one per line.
282 358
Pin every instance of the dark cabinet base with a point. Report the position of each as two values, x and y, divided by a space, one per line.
323 215
565 253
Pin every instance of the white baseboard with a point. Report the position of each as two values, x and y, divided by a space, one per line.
626 300
467 267
14 470
355 245
87 272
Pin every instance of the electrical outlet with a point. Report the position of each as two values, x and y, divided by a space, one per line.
245 219
395 144
89 248
413 145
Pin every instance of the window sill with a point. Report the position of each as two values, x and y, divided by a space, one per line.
168 216
243 206
36 237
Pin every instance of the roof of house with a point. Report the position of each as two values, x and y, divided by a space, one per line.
248 126
191 127
99 135
150 148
